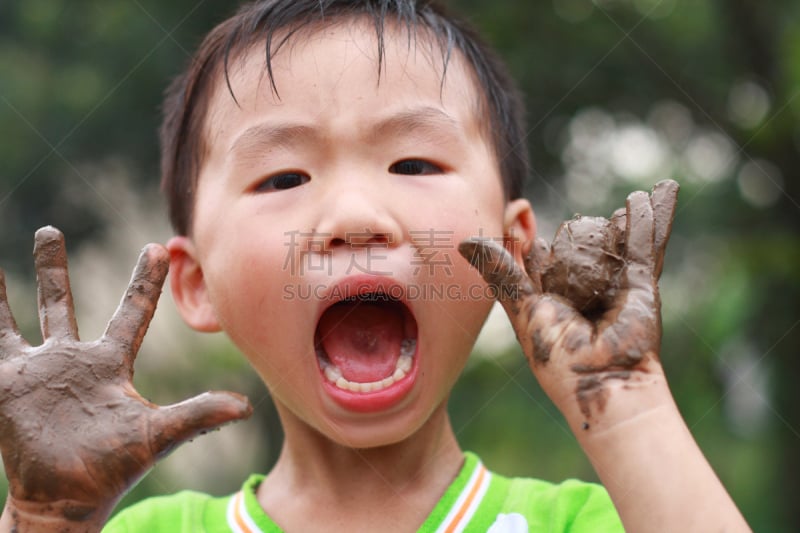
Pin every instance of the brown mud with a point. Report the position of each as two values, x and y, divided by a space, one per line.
74 433
590 301
584 263
591 390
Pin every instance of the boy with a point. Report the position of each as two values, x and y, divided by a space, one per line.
350 129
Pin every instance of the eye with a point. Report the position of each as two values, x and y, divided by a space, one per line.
279 182
415 167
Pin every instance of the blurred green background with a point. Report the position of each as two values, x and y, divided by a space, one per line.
621 93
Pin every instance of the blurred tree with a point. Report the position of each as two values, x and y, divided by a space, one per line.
620 93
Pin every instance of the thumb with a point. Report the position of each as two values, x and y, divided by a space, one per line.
172 425
498 268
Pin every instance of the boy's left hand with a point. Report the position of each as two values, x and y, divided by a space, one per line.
581 358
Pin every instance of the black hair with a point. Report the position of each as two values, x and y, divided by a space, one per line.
186 102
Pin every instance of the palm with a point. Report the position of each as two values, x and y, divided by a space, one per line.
573 350
72 426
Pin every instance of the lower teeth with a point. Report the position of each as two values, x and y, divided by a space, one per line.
401 370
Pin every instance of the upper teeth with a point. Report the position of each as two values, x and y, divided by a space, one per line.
401 370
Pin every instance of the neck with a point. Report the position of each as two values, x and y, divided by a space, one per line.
407 478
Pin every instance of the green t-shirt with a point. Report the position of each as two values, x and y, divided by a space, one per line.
476 501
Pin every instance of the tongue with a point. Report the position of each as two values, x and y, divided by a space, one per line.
362 339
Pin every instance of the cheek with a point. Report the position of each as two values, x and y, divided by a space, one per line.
246 287
455 328
467 214
474 208
270 327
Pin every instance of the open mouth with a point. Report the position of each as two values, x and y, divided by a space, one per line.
367 343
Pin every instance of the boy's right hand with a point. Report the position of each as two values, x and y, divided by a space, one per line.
74 433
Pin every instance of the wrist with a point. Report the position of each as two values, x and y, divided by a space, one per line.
67 516
648 460
614 400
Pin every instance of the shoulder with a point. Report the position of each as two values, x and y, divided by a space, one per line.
522 505
570 505
182 512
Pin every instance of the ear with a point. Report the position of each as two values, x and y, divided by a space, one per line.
519 228
188 286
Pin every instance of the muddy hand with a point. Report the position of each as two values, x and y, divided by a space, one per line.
577 351
73 430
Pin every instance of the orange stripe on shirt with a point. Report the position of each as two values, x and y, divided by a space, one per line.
467 502
238 517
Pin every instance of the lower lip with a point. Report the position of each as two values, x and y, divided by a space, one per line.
375 401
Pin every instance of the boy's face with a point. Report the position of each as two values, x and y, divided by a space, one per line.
345 186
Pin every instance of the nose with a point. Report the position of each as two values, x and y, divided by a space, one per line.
358 217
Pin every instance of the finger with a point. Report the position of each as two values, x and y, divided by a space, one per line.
535 262
175 424
663 199
131 319
639 234
620 219
56 311
498 268
10 337
635 333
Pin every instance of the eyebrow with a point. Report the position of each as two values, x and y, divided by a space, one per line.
268 134
430 122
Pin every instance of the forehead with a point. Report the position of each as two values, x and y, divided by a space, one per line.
338 71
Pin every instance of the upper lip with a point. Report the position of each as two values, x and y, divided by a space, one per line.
362 285
356 286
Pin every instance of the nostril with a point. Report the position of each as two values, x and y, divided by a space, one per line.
336 241
379 240
364 238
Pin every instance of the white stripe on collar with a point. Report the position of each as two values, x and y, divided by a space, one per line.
239 520
467 502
